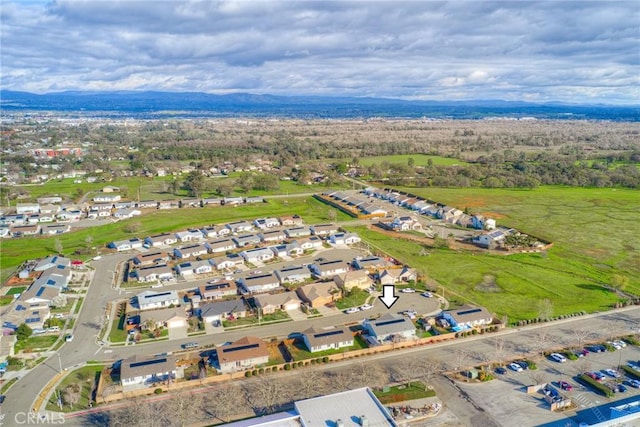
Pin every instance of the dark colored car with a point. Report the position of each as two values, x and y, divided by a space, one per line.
2 397
597 348
565 386
582 353
500 370
523 363
621 388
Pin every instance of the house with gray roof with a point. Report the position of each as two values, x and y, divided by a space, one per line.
257 255
259 283
316 339
221 245
328 269
293 274
246 240
213 312
468 316
148 300
388 327
191 251
143 371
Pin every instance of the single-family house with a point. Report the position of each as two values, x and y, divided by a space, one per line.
316 339
126 245
328 269
246 240
150 258
168 204
141 370
153 272
270 303
295 232
344 239
57 277
464 220
221 245
218 290
240 226
391 276
353 279
211 201
149 300
227 261
266 223
215 231
147 204
259 283
254 199
190 203
276 236
293 274
27 208
189 268
169 317
107 198
163 239
319 294
216 312
38 295
55 229
24 230
257 255
369 263
231 201
110 189
125 213
49 200
52 261
189 236
124 205
480 222
373 210
389 327
323 229
291 220
467 317
191 251
310 243
245 353
490 239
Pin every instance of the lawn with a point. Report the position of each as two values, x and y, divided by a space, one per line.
16 290
299 351
354 298
37 342
117 333
401 393
278 316
15 251
85 379
419 160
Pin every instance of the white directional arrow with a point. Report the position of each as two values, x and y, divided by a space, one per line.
388 297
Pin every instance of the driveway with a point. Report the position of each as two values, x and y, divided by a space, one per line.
178 333
297 314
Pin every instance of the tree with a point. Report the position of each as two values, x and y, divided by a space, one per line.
224 187
426 370
132 227
619 282
245 182
88 242
332 215
266 394
59 301
226 403
57 246
545 308
175 186
499 349
312 384
71 394
411 162
23 332
195 183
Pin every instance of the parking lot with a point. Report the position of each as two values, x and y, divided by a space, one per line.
506 400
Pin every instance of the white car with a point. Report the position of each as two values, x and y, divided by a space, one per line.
620 343
515 367
427 294
611 373
352 310
366 307
69 338
408 290
558 357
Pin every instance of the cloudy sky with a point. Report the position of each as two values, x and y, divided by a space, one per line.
572 51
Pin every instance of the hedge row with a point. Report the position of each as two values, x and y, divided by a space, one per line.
601 388
551 319
286 366
631 372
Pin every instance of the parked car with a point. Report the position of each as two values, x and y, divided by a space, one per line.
352 310
515 367
558 357
408 290
621 343
614 345
212 281
69 338
366 307
619 388
597 348
190 345
500 370
2 397
582 353
595 375
611 372
523 364
633 383
565 386
427 294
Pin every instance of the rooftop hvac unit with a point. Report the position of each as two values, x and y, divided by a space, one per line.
364 422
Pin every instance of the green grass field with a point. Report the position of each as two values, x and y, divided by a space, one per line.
15 251
419 159
594 233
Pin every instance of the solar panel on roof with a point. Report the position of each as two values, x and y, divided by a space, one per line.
20 307
158 295
327 334
389 322
473 310
51 282
242 347
40 291
147 362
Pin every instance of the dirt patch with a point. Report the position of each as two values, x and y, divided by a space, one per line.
494 215
488 284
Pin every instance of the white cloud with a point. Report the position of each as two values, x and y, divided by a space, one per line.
568 51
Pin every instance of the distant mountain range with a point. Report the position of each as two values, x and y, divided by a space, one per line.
197 104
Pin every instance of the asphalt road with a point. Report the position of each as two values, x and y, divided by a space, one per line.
22 395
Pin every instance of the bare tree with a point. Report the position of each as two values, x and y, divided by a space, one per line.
543 340
57 246
265 394
183 406
426 370
545 308
581 337
460 358
71 394
537 376
311 384
404 372
222 403
499 349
